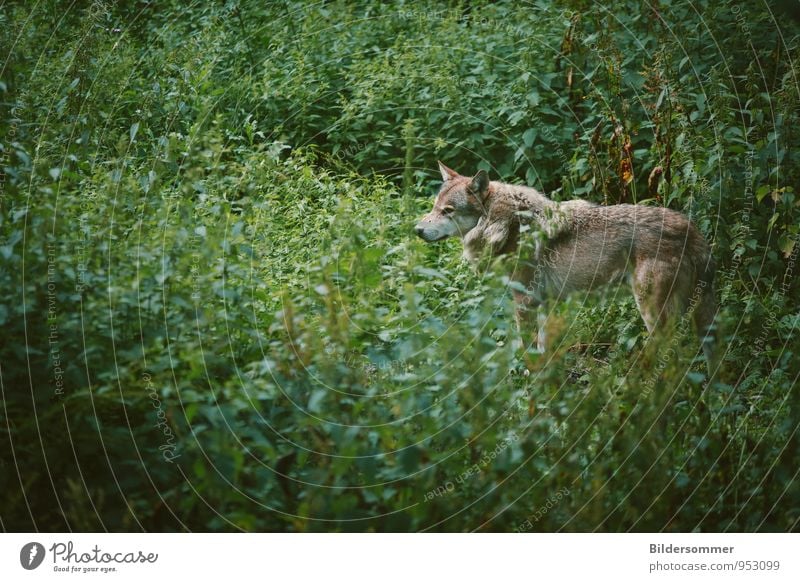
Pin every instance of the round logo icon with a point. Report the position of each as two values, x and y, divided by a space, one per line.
31 555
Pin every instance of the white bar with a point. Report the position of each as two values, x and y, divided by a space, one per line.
403 557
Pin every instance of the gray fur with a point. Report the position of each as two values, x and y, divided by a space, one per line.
578 246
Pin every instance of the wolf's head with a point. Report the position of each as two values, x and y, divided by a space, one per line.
459 205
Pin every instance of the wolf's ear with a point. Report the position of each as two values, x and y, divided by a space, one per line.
447 173
480 183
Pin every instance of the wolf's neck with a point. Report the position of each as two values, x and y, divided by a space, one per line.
505 208
521 198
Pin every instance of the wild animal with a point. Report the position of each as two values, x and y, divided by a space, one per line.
563 247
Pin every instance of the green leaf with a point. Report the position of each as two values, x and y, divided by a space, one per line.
773 220
786 244
529 136
661 98
410 458
695 377
762 192
315 401
429 273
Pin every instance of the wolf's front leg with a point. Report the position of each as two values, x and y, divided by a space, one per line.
541 332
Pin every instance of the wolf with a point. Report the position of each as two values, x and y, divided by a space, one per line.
563 247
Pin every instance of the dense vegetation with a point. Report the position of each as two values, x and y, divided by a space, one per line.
216 315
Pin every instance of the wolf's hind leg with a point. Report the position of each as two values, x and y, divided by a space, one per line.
660 291
646 313
643 284
704 313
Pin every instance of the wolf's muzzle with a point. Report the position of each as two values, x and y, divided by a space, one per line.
428 236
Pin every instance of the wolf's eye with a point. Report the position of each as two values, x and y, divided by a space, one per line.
448 210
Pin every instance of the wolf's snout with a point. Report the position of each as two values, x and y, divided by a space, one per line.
425 233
